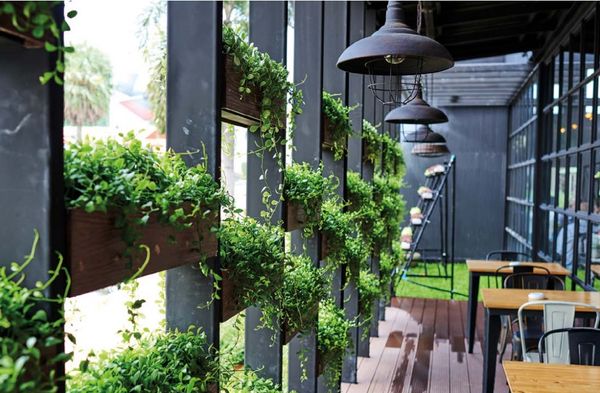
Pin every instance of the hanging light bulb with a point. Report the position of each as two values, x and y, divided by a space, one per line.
392 51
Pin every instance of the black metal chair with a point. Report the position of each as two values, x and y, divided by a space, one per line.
583 344
542 280
506 255
517 269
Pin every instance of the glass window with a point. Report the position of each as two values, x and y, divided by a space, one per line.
562 182
584 181
571 181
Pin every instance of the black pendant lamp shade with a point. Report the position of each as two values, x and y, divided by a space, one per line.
423 134
418 111
395 49
433 145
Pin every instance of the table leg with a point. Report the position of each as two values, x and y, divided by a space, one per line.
491 336
472 314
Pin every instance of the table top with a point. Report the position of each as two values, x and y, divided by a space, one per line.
551 378
490 267
512 299
596 269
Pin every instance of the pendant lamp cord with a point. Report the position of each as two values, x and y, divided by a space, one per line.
419 15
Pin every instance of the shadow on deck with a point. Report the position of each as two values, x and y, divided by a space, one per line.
422 348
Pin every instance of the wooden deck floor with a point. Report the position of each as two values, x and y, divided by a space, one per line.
422 348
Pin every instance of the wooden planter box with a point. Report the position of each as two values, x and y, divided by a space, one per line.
236 108
96 248
295 217
230 306
327 140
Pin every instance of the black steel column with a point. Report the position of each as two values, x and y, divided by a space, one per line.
335 81
356 29
268 24
308 66
193 124
31 164
370 111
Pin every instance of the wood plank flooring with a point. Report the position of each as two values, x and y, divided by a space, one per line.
421 348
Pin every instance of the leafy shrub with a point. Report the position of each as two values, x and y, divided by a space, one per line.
30 339
371 142
165 362
360 199
368 292
339 123
386 194
247 381
307 188
388 261
333 337
392 162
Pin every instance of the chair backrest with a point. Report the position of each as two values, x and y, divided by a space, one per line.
534 281
514 269
583 344
506 255
557 315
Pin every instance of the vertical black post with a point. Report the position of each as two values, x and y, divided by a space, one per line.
335 81
31 164
308 66
370 110
356 30
193 124
268 25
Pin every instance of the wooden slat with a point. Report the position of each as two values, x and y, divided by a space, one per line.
458 361
551 378
490 267
512 299
97 251
420 375
439 380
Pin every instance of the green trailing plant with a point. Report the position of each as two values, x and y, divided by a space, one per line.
247 381
37 19
337 226
389 260
360 201
386 194
161 362
340 127
263 75
307 188
368 292
135 182
304 286
253 258
333 338
31 340
371 142
392 162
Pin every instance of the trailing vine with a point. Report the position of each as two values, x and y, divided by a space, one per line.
386 194
37 18
360 200
371 143
392 162
333 338
368 292
32 341
340 127
137 182
307 188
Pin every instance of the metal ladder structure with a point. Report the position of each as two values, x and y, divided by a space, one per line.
443 201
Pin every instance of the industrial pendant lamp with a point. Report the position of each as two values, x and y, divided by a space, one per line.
392 51
432 145
418 111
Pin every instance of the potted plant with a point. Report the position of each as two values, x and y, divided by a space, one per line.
369 291
371 143
425 193
416 216
337 127
304 286
120 195
304 190
406 238
32 341
333 338
252 261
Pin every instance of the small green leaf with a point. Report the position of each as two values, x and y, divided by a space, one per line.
71 14
50 47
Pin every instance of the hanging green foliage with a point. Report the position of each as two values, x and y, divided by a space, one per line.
368 292
261 74
308 188
386 194
247 381
389 260
333 338
37 19
371 143
340 127
392 161
162 362
31 340
360 200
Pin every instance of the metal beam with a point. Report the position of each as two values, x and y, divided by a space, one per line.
268 26
193 124
308 61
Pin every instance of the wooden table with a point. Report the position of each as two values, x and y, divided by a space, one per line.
498 302
478 268
551 378
596 269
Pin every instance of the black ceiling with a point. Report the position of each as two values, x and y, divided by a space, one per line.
473 29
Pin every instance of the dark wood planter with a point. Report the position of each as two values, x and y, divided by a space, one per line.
327 140
97 250
295 217
230 306
237 108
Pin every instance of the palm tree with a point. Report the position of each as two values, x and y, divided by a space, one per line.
88 86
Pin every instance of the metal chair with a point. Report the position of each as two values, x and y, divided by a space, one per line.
506 255
583 346
556 315
537 281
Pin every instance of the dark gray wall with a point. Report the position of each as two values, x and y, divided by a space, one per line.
477 136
